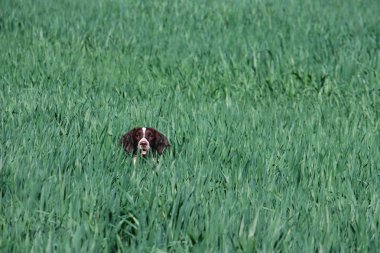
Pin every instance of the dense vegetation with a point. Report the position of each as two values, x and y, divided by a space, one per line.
272 109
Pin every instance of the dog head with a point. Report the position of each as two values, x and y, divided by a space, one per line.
144 140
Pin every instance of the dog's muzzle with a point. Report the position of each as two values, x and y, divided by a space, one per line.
143 145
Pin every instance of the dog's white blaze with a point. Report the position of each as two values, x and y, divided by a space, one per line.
145 140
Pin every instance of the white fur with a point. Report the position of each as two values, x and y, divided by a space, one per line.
144 139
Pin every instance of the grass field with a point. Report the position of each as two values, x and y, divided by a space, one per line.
272 109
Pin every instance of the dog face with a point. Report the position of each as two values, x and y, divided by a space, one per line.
143 140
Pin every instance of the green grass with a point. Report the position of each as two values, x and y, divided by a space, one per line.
272 109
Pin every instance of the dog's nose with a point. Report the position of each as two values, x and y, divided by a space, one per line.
144 143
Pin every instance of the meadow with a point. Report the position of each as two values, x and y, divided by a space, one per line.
272 109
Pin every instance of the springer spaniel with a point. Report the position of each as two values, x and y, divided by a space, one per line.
145 140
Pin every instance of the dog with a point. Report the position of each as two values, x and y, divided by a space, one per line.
144 140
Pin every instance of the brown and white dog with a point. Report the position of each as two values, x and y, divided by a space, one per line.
144 140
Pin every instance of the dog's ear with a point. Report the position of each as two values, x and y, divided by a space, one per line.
162 143
127 142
